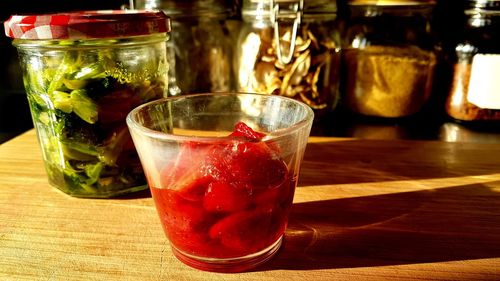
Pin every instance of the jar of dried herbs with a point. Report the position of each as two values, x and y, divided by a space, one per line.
474 94
388 57
290 48
200 47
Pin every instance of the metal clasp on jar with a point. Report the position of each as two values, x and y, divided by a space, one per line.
293 11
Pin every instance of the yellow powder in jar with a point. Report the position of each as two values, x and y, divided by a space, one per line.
388 81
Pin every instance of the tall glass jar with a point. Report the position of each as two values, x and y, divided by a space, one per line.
474 92
200 49
290 48
83 72
388 57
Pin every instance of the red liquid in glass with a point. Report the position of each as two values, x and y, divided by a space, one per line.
225 200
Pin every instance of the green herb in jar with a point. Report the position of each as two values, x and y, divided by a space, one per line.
83 73
80 109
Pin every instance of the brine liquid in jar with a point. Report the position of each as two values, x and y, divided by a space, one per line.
83 72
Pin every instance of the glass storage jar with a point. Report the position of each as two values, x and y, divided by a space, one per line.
290 48
388 57
83 72
200 48
474 92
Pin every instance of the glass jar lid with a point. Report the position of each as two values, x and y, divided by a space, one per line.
288 13
265 8
87 24
483 6
390 3
400 8
187 8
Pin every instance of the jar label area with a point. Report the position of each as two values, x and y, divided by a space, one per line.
484 84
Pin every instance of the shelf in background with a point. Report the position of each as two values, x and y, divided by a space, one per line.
426 126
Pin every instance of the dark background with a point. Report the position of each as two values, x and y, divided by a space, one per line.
430 124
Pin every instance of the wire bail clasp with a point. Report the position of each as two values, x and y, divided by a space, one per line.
294 11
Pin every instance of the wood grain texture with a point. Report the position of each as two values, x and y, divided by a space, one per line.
364 210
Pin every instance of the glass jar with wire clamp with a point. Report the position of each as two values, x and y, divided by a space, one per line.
290 48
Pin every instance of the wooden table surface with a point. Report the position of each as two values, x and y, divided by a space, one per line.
364 210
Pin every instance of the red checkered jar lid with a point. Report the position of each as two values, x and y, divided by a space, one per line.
87 24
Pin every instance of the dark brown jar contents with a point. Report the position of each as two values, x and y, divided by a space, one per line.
388 81
457 104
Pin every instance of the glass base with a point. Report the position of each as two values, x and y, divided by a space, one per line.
229 265
96 194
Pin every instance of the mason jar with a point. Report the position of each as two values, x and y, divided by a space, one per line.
473 95
83 72
290 48
200 48
389 57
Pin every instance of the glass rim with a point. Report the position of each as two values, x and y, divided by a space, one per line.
93 43
132 122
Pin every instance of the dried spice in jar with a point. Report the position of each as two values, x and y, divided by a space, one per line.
388 81
295 56
474 91
388 58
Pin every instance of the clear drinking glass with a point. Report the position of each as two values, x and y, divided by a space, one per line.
222 169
